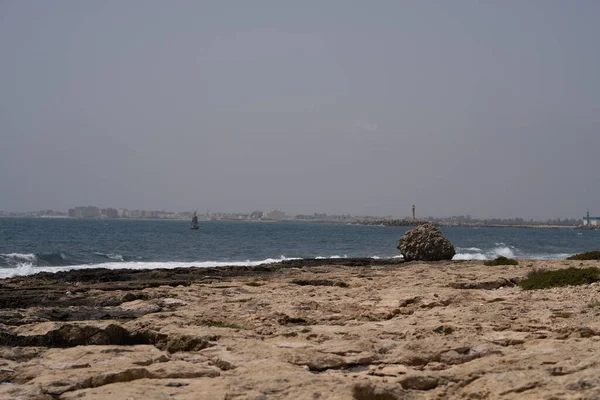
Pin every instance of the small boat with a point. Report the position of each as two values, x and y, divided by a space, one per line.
194 224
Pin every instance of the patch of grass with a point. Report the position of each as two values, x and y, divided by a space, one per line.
221 324
502 261
541 279
590 255
254 283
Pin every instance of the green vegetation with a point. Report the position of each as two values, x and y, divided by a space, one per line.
541 279
501 261
590 255
221 324
254 283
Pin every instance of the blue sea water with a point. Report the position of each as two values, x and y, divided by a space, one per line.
31 245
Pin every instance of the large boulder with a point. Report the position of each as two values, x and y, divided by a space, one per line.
425 243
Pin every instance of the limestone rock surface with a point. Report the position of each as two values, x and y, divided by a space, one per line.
425 243
460 330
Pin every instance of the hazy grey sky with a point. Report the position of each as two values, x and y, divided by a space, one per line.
489 108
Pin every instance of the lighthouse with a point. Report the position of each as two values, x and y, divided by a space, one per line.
588 217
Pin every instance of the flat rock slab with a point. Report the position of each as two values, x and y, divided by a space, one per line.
349 329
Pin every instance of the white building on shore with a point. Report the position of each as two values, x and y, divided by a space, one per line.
591 221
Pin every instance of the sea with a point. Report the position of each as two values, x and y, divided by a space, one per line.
28 246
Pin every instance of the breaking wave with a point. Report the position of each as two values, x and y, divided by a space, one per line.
29 269
44 259
55 259
19 264
475 253
470 248
18 257
112 256
501 249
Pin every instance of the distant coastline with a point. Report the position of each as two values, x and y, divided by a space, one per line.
97 213
417 222
385 222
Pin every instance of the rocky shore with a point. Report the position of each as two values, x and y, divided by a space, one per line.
307 329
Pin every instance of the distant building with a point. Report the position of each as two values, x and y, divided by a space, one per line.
275 215
135 214
84 212
591 221
110 213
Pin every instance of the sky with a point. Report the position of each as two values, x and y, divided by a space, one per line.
487 108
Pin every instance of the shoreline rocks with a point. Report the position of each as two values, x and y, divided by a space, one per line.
459 330
425 243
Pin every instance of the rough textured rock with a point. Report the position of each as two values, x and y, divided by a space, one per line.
370 391
425 243
414 332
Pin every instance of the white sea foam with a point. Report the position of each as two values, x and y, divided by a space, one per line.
19 261
468 249
112 256
558 256
28 269
20 256
469 256
330 257
21 269
501 249
474 253
504 251
23 264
